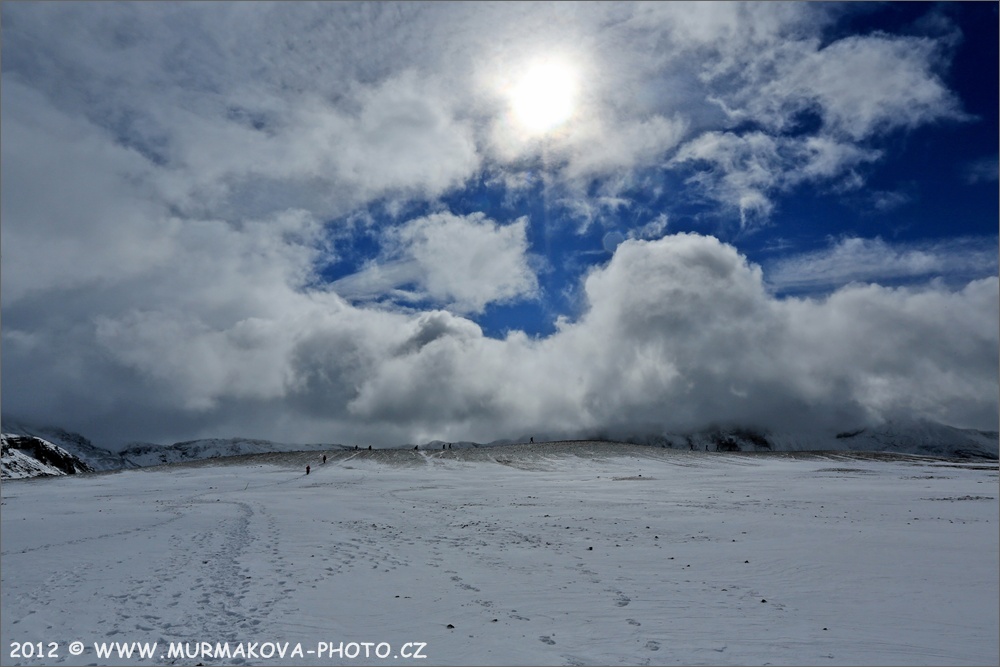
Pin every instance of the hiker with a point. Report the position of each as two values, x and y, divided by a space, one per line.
532 439
324 458
307 470
369 448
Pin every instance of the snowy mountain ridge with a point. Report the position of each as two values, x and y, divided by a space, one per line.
91 458
910 437
147 454
28 456
98 458
921 437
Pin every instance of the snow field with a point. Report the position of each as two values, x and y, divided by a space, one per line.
548 554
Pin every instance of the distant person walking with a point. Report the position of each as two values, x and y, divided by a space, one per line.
307 470
532 439
324 458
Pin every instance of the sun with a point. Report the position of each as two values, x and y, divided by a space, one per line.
545 96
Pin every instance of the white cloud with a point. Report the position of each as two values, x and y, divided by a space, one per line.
776 66
873 260
405 137
689 333
242 121
678 333
252 110
681 333
864 85
742 169
818 158
653 229
927 351
884 200
170 173
598 146
78 211
745 172
774 73
460 262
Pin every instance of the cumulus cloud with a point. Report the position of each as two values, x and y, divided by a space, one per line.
876 333
461 262
681 333
678 333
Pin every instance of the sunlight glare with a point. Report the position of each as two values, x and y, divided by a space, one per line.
545 97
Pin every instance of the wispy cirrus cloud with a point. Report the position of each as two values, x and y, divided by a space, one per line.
744 172
982 170
861 260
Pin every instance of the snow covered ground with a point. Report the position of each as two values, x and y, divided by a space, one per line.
548 554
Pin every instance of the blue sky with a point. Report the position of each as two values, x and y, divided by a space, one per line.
382 222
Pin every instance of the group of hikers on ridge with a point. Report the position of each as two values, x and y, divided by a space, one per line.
444 445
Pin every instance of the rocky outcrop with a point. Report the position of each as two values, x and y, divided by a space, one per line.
29 456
